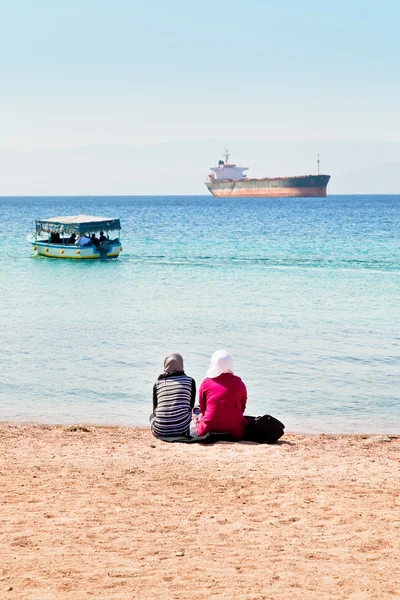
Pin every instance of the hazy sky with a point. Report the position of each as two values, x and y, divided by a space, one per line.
122 71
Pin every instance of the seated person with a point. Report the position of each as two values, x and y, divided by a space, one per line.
72 238
174 395
102 237
94 239
82 240
55 238
222 399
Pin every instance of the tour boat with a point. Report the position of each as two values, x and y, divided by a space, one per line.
79 237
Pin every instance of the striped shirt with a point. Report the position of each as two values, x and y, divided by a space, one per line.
173 400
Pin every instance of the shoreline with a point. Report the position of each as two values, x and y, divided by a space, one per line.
143 428
112 512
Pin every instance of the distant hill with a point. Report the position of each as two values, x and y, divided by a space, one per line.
180 167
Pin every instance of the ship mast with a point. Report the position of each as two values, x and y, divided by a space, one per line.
318 163
226 155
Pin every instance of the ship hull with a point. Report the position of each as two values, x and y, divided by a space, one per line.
307 186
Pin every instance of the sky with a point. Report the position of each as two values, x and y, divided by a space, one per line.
87 72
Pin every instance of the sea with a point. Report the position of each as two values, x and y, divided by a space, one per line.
303 292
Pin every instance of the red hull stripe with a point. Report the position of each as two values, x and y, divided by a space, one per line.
311 192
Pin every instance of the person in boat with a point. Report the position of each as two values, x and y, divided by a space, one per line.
94 240
102 237
174 395
222 399
72 238
82 240
55 238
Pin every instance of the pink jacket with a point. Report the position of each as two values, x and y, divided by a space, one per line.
222 403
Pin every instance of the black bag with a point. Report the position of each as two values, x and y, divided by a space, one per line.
264 430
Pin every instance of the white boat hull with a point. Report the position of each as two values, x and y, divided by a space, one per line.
74 252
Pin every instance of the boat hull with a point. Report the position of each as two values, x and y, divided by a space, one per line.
73 252
307 186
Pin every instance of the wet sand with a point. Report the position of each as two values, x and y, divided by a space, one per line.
112 513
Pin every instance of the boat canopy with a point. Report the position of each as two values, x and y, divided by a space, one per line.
77 224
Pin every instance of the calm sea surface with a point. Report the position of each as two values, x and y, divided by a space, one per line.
304 293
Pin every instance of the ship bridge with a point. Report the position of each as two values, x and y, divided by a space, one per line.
227 170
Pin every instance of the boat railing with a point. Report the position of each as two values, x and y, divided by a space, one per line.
65 242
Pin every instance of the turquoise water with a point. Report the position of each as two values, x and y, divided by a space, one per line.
304 293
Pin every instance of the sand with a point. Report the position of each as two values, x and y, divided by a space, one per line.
113 513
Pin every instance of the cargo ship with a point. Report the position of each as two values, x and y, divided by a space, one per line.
228 179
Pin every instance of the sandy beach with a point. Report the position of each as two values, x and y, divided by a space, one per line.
114 513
